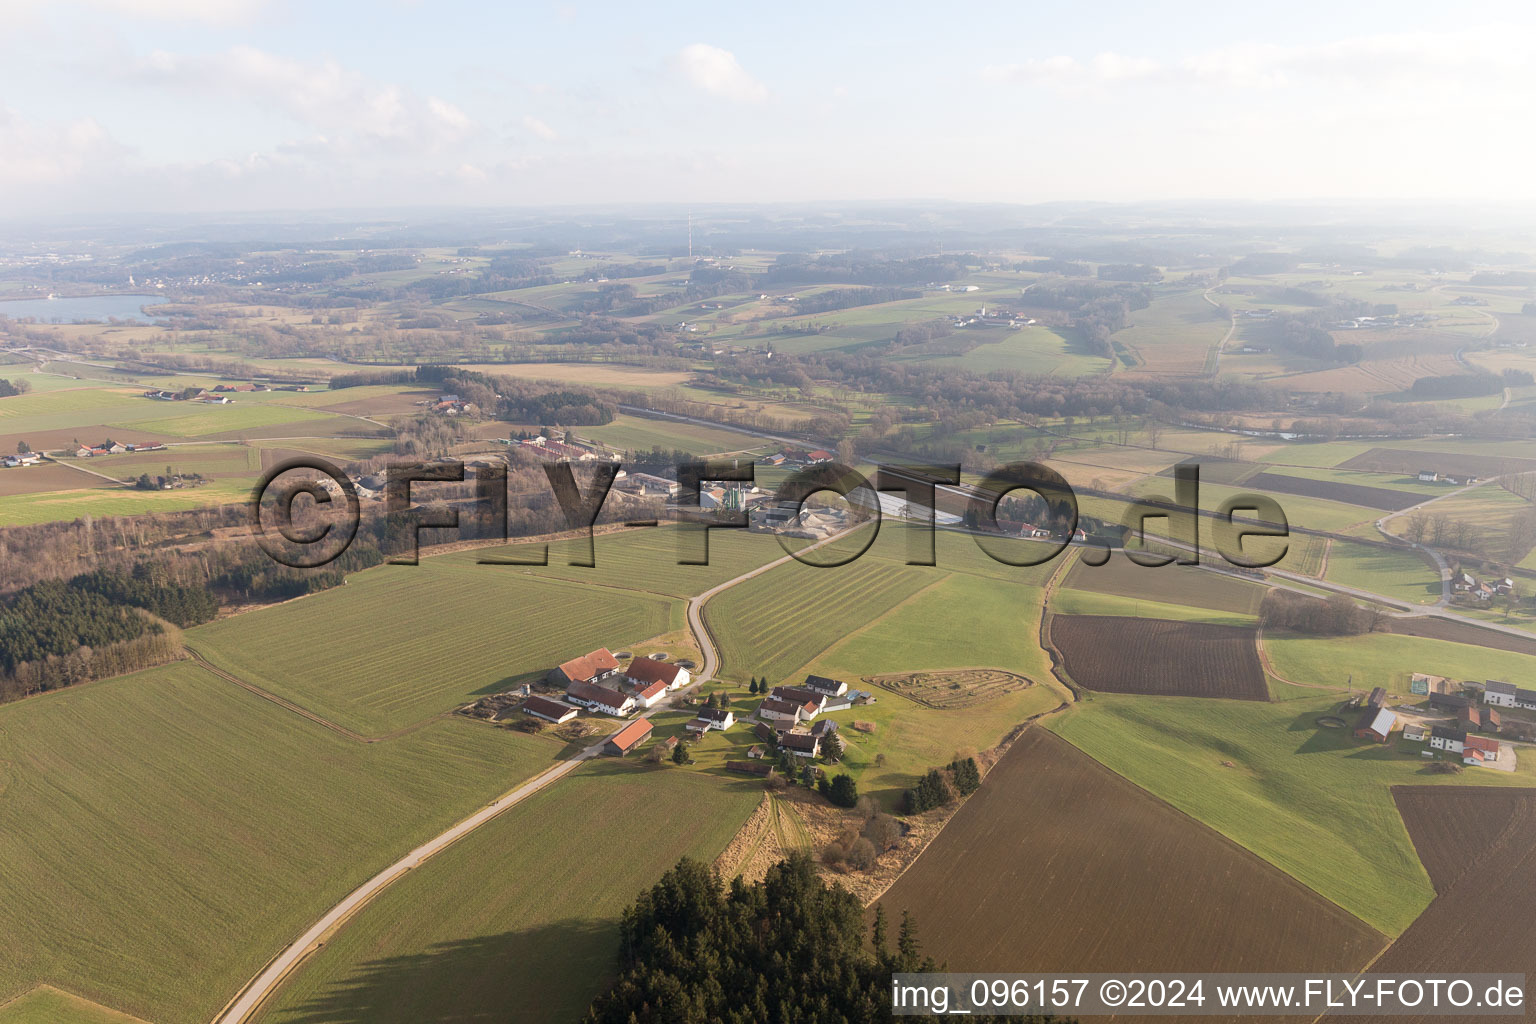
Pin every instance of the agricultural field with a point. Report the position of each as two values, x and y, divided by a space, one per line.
1066 601
114 500
1453 463
41 478
1397 573
780 621
193 829
1314 802
48 1005
1461 633
644 559
1499 524
1031 350
1176 334
519 921
641 434
399 644
1177 893
1385 499
1168 584
1388 659
1110 654
1482 917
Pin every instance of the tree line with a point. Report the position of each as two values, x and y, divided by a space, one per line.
693 950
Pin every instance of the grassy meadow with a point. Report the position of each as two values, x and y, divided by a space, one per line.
398 644
518 922
163 834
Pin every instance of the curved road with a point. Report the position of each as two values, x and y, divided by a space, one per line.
281 966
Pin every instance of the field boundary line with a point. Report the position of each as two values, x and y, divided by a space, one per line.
270 978
1234 844
919 592
282 702
48 986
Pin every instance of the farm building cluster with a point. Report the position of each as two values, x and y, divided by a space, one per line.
596 682
787 716
1476 712
111 447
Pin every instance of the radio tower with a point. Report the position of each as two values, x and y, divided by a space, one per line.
690 234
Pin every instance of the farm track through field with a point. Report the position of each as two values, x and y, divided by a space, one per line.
245 1003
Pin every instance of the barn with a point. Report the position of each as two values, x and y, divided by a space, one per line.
1499 693
592 667
628 738
1481 719
600 698
1375 724
1378 698
1453 702
645 671
549 710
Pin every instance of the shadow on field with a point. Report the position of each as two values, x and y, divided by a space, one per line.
542 974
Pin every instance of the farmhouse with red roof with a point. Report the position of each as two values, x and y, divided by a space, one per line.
592 667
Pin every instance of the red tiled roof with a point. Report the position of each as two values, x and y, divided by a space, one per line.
631 735
590 665
652 690
644 670
1481 743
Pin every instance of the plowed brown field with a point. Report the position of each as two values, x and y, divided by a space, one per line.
1118 654
1059 864
1479 846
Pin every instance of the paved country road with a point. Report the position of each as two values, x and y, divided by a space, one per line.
281 966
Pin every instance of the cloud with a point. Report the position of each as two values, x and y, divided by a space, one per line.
1422 60
211 12
717 72
539 128
34 153
343 107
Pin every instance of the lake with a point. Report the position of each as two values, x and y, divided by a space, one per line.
68 311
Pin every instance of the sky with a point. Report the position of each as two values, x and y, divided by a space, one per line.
129 106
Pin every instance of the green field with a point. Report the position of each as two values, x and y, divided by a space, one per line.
1393 573
110 500
163 834
1032 350
637 433
1388 659
1066 601
401 643
642 559
1314 802
48 1005
519 921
